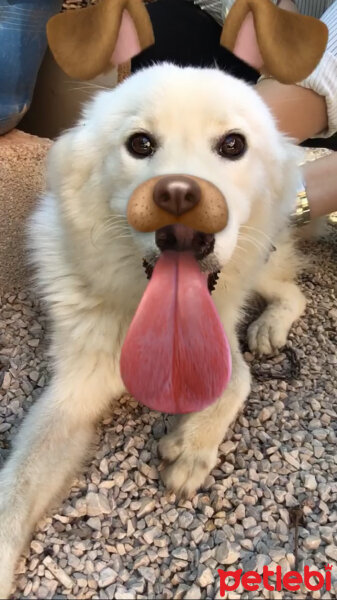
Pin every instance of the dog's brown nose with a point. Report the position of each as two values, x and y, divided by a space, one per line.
176 194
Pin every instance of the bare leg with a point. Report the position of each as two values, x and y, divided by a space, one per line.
190 451
49 450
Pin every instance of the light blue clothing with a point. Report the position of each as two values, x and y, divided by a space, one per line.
23 43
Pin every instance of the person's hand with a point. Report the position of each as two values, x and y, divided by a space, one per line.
320 178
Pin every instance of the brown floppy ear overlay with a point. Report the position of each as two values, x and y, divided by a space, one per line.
89 41
291 44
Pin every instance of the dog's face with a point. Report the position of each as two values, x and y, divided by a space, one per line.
164 123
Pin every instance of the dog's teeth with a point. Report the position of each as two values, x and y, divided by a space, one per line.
212 281
148 268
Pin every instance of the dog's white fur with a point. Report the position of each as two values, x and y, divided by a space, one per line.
91 275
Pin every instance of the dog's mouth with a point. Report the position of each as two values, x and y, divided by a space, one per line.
176 356
180 238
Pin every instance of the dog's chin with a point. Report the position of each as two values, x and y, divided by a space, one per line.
180 238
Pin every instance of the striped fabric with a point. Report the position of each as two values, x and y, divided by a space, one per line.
324 79
313 8
218 9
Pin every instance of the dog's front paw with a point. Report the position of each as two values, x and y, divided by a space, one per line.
186 462
267 334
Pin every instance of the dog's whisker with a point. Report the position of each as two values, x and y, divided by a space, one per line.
121 237
117 218
88 85
258 244
115 227
245 250
258 231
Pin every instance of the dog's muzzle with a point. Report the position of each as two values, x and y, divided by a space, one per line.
184 212
177 200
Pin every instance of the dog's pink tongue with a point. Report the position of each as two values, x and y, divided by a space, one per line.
176 356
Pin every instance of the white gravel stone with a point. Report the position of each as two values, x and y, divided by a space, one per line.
180 553
194 593
148 573
240 512
97 505
123 593
107 577
265 414
206 577
58 573
248 522
147 505
37 547
331 551
310 482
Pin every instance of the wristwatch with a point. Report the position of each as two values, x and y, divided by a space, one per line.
301 215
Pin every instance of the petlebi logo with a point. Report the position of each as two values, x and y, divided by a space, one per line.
291 580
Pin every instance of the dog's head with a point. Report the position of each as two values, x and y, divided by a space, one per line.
174 158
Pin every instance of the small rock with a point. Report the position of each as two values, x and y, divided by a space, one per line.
149 574
107 577
194 593
310 482
37 547
265 414
34 376
331 551
290 458
320 434
185 520
141 561
326 534
150 534
197 534
221 552
94 523
261 561
227 447
208 511
180 553
206 577
147 505
122 593
248 522
276 554
240 512
97 504
58 573
6 382
311 542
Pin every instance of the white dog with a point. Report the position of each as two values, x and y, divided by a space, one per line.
163 120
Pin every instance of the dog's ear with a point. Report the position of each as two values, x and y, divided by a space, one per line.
93 40
277 42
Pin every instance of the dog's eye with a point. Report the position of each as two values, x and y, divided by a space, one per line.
141 145
232 146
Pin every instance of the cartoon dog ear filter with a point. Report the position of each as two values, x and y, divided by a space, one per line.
176 357
92 40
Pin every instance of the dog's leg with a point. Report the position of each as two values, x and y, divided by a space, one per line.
50 447
190 451
286 303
